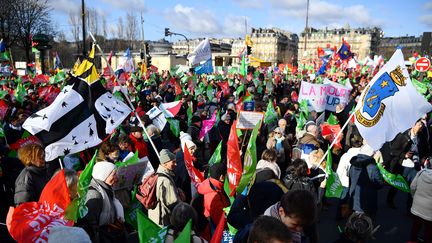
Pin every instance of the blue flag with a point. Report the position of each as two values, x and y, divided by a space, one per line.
2 46
323 67
344 51
207 67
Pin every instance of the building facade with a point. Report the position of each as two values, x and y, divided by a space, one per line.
363 41
274 45
183 47
161 46
409 44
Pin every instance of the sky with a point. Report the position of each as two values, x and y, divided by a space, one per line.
227 18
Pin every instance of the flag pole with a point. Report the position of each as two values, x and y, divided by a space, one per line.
335 139
125 94
61 165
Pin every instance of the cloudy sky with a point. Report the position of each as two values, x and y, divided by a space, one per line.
226 18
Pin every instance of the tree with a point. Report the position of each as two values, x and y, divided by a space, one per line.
75 22
33 17
93 21
104 26
120 27
8 21
131 28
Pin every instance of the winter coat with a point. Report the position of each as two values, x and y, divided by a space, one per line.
167 197
365 181
421 190
344 166
181 178
215 199
140 145
308 139
29 184
152 156
266 165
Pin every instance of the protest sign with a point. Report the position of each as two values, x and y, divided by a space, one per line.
325 96
130 175
158 119
248 119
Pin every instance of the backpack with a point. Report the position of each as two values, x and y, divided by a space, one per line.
146 193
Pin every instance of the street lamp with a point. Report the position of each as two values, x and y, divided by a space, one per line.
169 33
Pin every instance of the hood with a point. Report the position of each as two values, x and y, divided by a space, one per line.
426 176
362 160
205 187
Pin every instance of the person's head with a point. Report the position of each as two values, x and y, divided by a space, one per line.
218 171
297 209
267 229
298 168
105 171
167 159
32 154
269 155
152 130
226 118
18 118
315 156
417 127
108 151
312 128
124 142
231 106
356 141
278 132
71 182
180 216
282 123
196 120
359 228
136 132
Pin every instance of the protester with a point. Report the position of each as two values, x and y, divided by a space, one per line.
33 178
358 229
267 168
138 143
269 229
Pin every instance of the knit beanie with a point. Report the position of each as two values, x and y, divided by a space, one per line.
102 170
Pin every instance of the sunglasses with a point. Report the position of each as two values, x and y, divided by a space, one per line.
277 133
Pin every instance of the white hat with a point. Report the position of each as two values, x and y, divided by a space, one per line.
102 170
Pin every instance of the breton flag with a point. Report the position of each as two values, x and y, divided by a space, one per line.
82 115
390 104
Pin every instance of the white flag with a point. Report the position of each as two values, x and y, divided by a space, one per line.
389 104
201 53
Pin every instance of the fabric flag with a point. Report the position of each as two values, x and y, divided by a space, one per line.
207 125
107 69
4 54
345 51
332 120
185 234
174 126
270 114
218 233
31 221
126 64
396 181
202 53
189 113
250 161
421 87
57 62
3 109
19 93
81 116
329 132
323 67
205 68
389 104
77 209
132 160
234 164
333 186
149 231
243 67
170 109
195 175
216 157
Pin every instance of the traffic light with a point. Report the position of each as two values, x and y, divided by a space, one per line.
248 50
167 32
147 48
148 60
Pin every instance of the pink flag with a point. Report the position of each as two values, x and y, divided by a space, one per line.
207 126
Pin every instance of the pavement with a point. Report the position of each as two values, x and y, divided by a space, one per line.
395 224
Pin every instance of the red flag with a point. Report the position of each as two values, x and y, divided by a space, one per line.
3 109
31 221
329 132
218 233
320 51
225 87
239 105
52 94
40 78
195 175
234 165
24 141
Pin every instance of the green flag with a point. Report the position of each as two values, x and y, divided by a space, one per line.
77 208
250 161
3 93
303 107
216 157
396 181
301 120
243 67
189 113
132 160
209 92
270 114
149 231
185 235
2 135
174 126
333 186
332 120
239 89
19 93
421 87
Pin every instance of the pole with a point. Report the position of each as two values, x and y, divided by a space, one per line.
125 94
83 28
245 25
335 139
307 21
143 40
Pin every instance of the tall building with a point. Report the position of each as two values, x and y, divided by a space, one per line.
410 44
183 47
274 45
161 46
363 41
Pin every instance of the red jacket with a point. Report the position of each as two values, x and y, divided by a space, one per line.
140 145
215 199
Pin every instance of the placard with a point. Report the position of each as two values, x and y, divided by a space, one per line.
248 119
130 175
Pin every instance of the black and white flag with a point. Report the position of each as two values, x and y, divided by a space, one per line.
82 115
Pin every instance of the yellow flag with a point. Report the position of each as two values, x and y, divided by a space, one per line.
87 69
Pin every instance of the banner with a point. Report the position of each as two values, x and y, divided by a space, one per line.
131 174
325 96
248 119
158 119
201 53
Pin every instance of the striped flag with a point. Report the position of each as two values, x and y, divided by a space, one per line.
170 109
82 115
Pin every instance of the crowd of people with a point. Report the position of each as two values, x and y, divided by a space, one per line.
282 203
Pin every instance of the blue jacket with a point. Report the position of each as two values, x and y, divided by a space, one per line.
365 181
